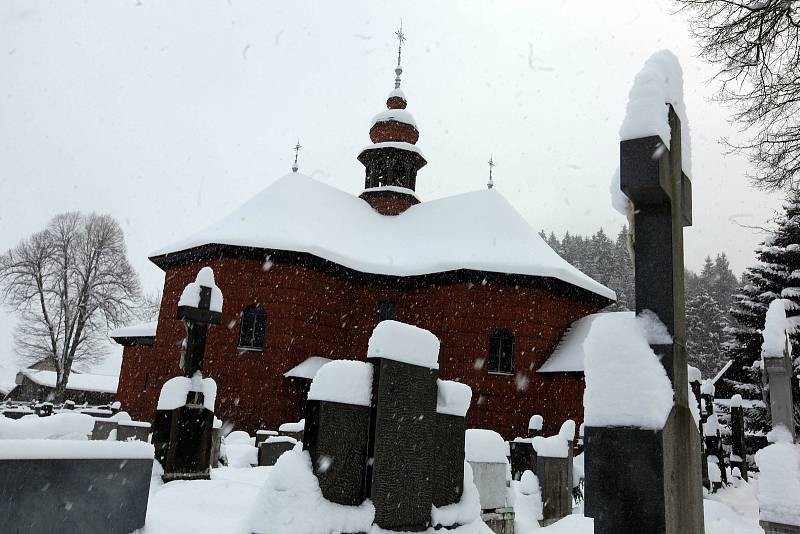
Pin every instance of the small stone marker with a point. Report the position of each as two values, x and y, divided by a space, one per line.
738 458
262 435
523 457
554 470
777 364
133 431
535 426
485 454
185 417
271 449
103 428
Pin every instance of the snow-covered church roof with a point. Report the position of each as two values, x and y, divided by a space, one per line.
479 230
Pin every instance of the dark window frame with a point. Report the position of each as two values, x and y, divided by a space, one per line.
387 310
500 360
252 328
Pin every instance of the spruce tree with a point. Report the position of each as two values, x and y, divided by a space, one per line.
706 321
777 275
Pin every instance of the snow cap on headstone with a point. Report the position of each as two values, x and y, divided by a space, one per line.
774 332
453 398
345 381
708 387
660 82
536 422
481 445
694 374
393 340
191 293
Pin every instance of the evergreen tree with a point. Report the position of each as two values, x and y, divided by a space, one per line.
706 321
776 276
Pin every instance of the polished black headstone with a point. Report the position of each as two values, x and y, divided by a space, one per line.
448 467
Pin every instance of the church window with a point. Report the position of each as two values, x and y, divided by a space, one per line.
253 328
501 352
386 311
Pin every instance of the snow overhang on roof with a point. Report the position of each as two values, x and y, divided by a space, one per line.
307 368
76 382
569 355
477 231
138 334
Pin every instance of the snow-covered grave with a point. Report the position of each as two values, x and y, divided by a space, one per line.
776 360
554 472
184 422
383 447
57 480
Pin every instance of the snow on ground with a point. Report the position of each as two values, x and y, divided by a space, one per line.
223 505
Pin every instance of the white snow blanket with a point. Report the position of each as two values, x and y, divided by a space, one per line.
345 381
626 385
175 390
779 480
478 230
191 293
660 82
72 426
405 343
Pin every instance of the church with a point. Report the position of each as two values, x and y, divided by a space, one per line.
307 271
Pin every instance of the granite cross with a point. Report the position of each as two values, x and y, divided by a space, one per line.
196 319
652 177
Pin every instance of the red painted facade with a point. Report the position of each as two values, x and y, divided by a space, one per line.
311 312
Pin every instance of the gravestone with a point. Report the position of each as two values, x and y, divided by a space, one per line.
641 480
777 364
103 428
453 399
401 436
554 471
133 431
523 457
184 417
738 456
271 449
535 425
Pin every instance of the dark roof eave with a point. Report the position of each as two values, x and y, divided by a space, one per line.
216 251
135 341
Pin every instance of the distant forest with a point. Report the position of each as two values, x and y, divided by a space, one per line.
709 293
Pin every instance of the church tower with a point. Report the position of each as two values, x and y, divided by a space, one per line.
392 161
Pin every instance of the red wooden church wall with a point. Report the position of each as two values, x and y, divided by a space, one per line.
310 313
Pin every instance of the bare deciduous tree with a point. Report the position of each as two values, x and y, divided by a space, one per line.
756 46
69 283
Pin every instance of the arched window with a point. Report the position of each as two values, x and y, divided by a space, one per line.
501 352
253 328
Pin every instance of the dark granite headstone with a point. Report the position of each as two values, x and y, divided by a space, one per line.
402 429
270 450
103 428
738 447
89 496
336 436
448 467
523 458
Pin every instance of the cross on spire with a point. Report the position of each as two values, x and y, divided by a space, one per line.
490 183
297 148
399 70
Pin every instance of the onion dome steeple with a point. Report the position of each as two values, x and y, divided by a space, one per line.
392 161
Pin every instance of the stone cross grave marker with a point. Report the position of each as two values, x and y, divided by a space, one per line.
653 179
182 435
667 474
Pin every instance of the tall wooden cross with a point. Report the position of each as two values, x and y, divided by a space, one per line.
652 177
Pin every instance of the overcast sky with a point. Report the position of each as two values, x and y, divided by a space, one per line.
168 115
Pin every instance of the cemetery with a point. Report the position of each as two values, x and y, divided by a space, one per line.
380 420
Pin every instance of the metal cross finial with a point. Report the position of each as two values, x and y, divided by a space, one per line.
490 184
399 70
297 148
